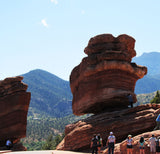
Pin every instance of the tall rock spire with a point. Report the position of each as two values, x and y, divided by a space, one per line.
102 81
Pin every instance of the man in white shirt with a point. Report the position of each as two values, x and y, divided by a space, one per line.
111 142
152 144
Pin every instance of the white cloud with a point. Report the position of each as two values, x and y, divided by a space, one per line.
54 1
82 11
44 23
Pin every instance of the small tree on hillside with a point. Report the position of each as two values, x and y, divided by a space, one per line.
156 99
51 142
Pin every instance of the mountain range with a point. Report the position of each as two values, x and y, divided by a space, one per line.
150 82
151 61
51 96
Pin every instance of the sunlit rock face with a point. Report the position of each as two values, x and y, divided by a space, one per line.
14 103
132 121
102 81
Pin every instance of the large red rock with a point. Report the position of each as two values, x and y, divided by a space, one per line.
120 148
128 121
102 80
14 103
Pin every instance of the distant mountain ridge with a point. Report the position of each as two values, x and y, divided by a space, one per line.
50 95
151 61
150 82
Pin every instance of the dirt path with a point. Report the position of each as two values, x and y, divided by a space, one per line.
46 152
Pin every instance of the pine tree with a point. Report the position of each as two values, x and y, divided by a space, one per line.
49 143
156 99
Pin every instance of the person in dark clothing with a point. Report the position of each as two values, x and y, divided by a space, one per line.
99 143
9 144
130 98
94 144
158 145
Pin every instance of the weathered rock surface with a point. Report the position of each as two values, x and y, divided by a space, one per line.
128 121
102 80
121 147
14 103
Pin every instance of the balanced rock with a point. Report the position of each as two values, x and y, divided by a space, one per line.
121 147
106 76
133 121
14 103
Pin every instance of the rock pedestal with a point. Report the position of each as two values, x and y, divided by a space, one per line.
100 84
14 103
102 81
133 121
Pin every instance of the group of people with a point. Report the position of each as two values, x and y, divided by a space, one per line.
96 144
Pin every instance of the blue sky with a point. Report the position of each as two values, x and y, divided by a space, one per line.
52 34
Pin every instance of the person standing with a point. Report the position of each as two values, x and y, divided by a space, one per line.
8 144
142 144
129 144
158 145
111 142
130 98
99 143
158 122
94 144
152 144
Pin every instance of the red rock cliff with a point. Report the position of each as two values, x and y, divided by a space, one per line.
14 103
102 80
133 121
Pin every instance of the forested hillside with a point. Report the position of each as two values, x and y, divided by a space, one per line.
38 129
145 98
50 95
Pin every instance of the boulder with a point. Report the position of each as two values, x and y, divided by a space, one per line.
121 147
128 121
106 76
14 103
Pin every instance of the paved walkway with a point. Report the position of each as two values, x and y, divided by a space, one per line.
5 151
46 152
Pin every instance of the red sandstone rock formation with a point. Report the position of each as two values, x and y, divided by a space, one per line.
103 79
128 121
121 147
14 103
